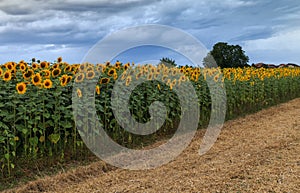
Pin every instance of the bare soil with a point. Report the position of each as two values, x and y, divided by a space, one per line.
256 153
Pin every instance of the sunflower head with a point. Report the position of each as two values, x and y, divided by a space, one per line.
1 71
182 78
27 75
10 66
79 77
100 68
22 67
59 59
90 68
111 72
35 66
21 88
56 72
68 68
56 65
47 83
90 74
164 78
138 75
126 66
74 68
7 75
46 73
150 76
124 75
118 64
128 80
69 78
36 79
44 64
104 80
115 76
98 90
63 80
82 67
79 93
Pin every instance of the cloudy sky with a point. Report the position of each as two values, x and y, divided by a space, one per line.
268 30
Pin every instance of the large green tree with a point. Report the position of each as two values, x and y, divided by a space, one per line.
226 56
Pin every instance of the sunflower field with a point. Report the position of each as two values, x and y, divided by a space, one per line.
36 115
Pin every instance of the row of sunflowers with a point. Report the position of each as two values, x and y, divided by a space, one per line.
36 118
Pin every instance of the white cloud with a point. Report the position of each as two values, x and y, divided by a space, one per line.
286 40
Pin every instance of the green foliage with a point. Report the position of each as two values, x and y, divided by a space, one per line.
168 62
227 56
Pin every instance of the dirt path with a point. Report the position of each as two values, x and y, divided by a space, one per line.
257 153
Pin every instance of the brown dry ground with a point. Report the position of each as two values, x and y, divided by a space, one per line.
256 153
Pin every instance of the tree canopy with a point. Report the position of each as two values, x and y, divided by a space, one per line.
226 56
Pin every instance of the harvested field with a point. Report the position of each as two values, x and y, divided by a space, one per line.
256 153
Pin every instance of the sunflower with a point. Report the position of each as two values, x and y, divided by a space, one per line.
158 71
104 80
44 64
216 78
90 74
68 68
164 78
35 66
13 72
82 67
124 75
98 89
168 82
152 69
115 76
23 67
1 71
128 80
138 75
74 68
46 73
27 75
59 59
79 77
126 66
99 68
9 66
55 66
21 88
174 72
47 83
79 93
158 86
36 79
107 63
7 75
182 78
90 68
111 72
150 76
56 72
118 64
69 78
63 80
